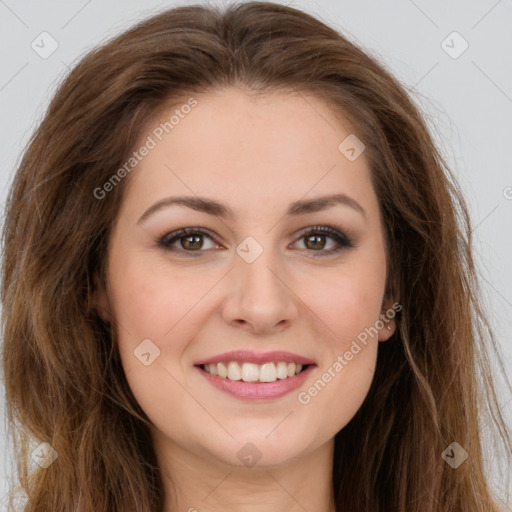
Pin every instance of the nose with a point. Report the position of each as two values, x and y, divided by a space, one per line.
259 298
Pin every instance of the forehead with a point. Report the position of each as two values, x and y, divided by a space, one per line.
233 122
254 149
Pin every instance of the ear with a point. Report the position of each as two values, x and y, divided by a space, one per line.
387 322
101 298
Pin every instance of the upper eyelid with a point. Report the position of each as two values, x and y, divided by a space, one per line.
321 228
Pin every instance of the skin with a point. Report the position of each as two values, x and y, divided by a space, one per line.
257 154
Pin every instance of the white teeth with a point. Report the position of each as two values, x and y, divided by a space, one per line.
251 372
282 370
234 372
222 371
268 372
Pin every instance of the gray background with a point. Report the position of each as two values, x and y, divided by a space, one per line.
467 100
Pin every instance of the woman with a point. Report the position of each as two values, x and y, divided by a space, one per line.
238 276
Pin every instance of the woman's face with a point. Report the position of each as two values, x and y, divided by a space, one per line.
248 278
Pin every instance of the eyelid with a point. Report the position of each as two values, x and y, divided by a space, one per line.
328 230
182 232
343 239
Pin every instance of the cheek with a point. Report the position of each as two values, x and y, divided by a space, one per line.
347 365
151 302
348 307
150 299
349 301
345 373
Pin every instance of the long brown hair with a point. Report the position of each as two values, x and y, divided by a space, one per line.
64 381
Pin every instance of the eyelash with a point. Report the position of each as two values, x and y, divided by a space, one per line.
343 241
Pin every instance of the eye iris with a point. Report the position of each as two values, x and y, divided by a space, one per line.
316 238
185 242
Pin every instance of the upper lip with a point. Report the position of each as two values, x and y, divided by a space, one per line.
249 356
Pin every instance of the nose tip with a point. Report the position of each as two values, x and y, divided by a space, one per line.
261 301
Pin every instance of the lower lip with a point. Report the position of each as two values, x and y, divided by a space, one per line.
258 390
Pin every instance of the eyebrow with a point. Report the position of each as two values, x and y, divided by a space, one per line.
212 207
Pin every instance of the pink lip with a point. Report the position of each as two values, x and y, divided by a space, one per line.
247 356
258 390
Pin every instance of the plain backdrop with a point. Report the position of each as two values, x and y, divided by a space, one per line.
462 81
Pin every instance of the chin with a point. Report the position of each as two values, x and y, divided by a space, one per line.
258 452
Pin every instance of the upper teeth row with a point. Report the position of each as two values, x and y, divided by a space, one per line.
250 372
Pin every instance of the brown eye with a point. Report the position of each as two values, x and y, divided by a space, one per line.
193 242
187 240
315 239
315 242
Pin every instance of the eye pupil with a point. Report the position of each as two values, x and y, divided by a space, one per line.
186 239
316 238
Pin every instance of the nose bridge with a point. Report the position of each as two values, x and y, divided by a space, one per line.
257 268
260 296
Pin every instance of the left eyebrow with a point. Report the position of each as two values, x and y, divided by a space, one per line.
212 207
322 203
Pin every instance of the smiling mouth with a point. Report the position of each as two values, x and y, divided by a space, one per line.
251 372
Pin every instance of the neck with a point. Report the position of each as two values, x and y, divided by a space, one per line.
201 483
